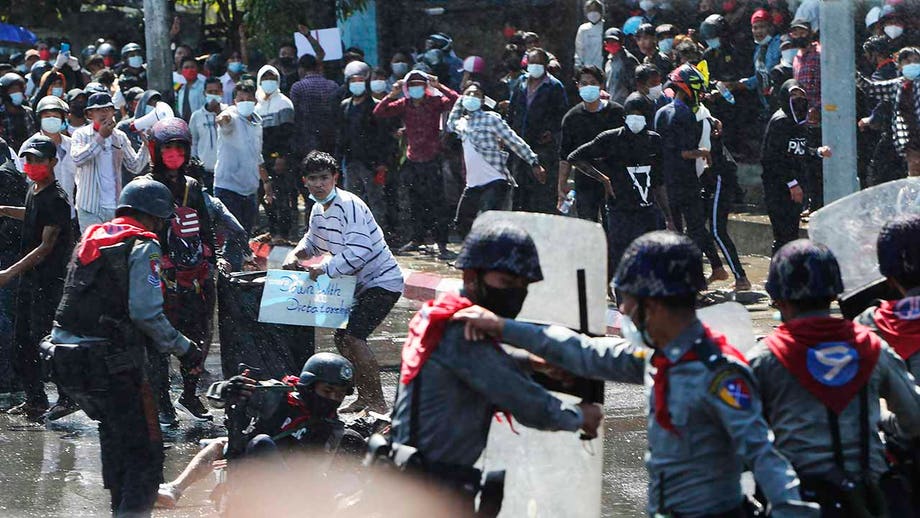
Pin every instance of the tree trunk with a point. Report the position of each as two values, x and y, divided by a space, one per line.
159 57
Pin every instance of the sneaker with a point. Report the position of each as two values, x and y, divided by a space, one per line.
194 407
168 496
167 418
60 410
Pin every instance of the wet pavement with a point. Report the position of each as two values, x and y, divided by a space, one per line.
54 470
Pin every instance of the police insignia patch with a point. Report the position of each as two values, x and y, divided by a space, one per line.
731 388
154 278
833 363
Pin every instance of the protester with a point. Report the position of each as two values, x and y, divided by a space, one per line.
99 151
239 157
535 112
235 68
585 121
620 66
420 100
277 113
133 70
589 39
649 92
47 239
76 118
203 125
12 194
647 41
342 225
190 96
312 98
17 122
489 184
806 68
287 65
51 113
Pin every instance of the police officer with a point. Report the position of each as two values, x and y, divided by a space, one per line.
112 306
188 251
704 422
450 386
821 378
898 323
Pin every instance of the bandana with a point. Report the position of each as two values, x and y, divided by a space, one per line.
108 234
898 322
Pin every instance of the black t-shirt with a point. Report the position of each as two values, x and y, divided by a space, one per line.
580 126
13 193
632 161
47 208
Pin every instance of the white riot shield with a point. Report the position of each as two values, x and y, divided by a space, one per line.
555 473
732 320
850 227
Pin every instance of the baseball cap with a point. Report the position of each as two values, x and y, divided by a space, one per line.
99 100
39 146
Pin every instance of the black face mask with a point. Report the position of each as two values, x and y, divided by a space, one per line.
504 302
800 43
320 407
77 110
287 62
799 108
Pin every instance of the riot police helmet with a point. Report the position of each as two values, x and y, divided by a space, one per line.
500 246
714 26
661 264
804 270
898 250
148 196
329 368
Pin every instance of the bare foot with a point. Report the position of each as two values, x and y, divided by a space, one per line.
742 284
718 274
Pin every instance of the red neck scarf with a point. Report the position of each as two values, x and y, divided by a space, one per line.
295 402
425 331
108 234
662 364
898 322
831 357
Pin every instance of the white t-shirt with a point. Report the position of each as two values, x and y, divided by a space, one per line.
478 171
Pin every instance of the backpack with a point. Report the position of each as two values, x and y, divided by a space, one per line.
186 267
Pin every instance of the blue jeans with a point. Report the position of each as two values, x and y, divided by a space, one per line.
244 208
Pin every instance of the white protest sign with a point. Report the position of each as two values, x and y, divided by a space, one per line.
291 298
329 39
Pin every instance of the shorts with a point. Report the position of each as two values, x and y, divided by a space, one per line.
368 311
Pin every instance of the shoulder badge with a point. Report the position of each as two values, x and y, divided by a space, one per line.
732 387
154 278
833 363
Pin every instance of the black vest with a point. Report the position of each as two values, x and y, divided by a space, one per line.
96 290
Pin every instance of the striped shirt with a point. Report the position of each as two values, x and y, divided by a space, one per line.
88 149
347 231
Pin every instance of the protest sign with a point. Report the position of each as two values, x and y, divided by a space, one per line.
293 298
329 39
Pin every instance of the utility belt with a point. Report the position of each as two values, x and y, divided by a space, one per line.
85 370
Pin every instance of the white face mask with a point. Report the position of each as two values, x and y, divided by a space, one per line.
269 86
378 86
535 70
635 123
51 125
765 40
655 92
245 108
135 61
893 31
631 333
593 16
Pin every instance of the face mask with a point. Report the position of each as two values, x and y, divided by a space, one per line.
327 199
190 74
76 111
287 62
135 61
57 91
399 68
765 40
646 5
893 31
107 61
269 86
378 86
589 93
357 89
416 92
37 172
665 45
593 16
320 406
635 123
504 302
209 98
173 158
471 103
235 67
714 43
799 43
44 54
51 125
535 70
16 98
631 332
245 108
789 55
612 47
799 108
911 71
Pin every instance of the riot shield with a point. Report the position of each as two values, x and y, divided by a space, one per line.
850 227
556 473
732 320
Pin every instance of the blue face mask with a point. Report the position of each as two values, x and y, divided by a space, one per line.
57 91
589 93
235 67
911 71
327 199
471 103
357 89
714 43
664 46
416 92
16 98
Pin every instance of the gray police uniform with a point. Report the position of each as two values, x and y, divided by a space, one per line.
867 318
463 384
697 470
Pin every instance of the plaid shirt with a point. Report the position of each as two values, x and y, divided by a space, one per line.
313 114
486 132
422 122
890 91
806 69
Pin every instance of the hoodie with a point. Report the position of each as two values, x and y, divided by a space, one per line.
277 112
785 148
589 42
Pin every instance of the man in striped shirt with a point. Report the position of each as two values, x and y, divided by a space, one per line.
341 225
